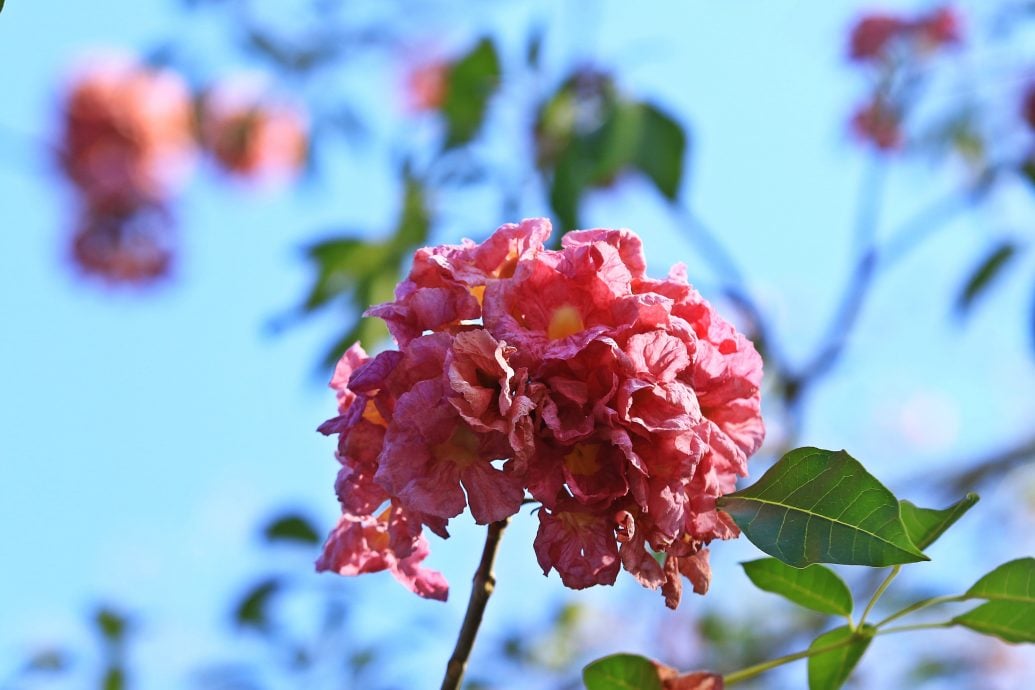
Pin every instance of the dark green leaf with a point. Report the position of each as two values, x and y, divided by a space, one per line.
111 624
469 84
252 612
622 672
661 150
829 670
815 587
1008 620
114 678
821 506
984 274
1028 170
1013 581
925 525
1 5
292 527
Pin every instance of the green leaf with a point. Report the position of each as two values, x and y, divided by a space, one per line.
1013 581
821 506
984 275
925 525
815 587
1010 612
114 678
469 84
1008 620
251 612
111 624
829 670
622 672
661 150
1 5
293 528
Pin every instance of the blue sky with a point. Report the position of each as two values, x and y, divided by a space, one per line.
144 435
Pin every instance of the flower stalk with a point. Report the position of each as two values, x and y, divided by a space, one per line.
483 586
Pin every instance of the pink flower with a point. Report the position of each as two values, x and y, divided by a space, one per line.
623 405
871 35
426 86
252 135
368 545
136 246
942 27
128 134
874 36
879 125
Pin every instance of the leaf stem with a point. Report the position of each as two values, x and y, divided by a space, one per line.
918 626
484 584
919 606
877 594
757 669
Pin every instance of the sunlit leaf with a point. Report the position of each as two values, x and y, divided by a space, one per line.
1008 620
252 611
661 150
925 525
293 528
829 670
1 5
622 672
1010 612
815 587
984 275
821 506
469 84
1013 581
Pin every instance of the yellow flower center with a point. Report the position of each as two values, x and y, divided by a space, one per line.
583 459
565 320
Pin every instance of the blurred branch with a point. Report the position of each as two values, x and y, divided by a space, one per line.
978 471
855 292
734 285
872 260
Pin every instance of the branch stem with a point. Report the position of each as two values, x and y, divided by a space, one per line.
484 584
757 669
933 601
918 626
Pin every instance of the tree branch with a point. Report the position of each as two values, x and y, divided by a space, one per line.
484 584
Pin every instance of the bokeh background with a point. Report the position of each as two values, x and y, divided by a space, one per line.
161 480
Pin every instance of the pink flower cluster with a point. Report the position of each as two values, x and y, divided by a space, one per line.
874 36
622 405
889 43
127 145
128 142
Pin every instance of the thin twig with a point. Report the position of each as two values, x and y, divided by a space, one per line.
484 584
855 292
994 465
734 285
